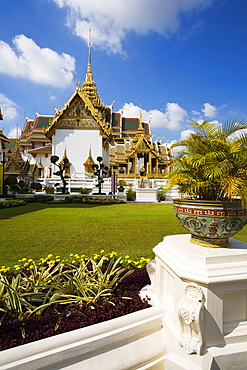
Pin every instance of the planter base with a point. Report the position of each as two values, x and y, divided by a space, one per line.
212 242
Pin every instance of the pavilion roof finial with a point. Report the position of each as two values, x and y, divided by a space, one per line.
140 127
89 87
89 76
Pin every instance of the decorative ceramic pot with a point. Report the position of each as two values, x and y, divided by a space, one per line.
210 223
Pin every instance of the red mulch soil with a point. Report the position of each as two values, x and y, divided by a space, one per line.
71 318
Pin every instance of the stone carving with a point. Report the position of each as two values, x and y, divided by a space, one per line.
77 109
78 123
151 270
191 319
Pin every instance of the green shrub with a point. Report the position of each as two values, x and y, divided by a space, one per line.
49 190
29 199
12 203
56 201
101 201
84 191
42 198
67 200
36 186
130 193
161 193
76 200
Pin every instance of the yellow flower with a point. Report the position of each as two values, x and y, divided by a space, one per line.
71 255
23 259
127 257
102 251
30 260
49 255
73 261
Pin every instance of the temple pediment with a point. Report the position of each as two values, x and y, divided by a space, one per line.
78 113
77 116
76 109
142 145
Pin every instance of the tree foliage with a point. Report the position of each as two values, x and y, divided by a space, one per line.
212 163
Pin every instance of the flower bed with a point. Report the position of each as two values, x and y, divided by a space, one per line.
69 312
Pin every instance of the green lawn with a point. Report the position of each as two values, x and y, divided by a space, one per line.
35 230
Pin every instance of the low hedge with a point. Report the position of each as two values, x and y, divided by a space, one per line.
102 201
12 203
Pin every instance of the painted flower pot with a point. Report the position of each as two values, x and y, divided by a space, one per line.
210 223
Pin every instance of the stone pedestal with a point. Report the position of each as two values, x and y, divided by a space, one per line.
204 292
146 194
120 195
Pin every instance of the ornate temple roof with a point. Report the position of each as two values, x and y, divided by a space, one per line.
84 103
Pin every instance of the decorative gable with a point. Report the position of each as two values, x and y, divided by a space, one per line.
12 167
143 145
77 116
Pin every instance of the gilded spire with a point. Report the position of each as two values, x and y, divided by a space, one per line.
140 127
89 87
17 139
88 165
89 75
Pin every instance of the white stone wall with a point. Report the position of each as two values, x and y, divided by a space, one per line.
77 144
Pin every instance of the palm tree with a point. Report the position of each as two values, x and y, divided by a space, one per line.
212 164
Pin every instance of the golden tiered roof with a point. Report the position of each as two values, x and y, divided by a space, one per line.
89 86
84 110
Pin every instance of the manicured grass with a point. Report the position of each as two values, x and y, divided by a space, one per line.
36 230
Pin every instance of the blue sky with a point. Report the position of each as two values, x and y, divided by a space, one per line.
180 60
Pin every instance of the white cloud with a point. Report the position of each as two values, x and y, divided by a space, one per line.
14 132
9 108
195 112
171 119
40 65
185 133
112 20
209 110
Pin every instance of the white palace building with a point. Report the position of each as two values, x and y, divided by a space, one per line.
78 133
